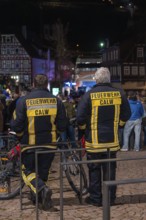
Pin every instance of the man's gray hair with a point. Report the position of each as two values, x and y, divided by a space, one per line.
102 75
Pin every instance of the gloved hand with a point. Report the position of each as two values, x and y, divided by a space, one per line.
14 152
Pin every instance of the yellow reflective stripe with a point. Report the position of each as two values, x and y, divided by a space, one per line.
95 125
41 112
82 127
33 147
116 119
53 132
31 177
20 134
3 159
104 95
101 147
121 123
105 102
45 106
96 145
94 121
28 179
102 150
31 131
41 101
14 115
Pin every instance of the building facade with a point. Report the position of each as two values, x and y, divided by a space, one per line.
127 64
15 61
20 61
85 69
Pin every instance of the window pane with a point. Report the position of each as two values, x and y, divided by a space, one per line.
140 52
134 70
126 70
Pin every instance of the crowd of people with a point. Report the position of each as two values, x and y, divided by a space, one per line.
107 117
133 135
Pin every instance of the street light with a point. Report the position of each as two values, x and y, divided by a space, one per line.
101 44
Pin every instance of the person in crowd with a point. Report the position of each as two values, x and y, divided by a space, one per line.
143 101
1 123
39 115
134 122
100 112
71 117
11 107
4 111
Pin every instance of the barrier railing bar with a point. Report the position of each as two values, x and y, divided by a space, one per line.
62 163
20 182
36 171
61 189
106 191
81 184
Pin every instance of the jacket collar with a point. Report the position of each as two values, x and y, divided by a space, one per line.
102 84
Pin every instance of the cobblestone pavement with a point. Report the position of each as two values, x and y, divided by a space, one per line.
131 199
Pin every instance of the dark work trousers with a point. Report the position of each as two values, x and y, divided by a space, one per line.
98 172
28 169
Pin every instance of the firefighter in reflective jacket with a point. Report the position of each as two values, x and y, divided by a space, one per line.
39 115
100 112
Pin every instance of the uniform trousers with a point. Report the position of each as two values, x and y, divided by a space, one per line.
98 172
28 169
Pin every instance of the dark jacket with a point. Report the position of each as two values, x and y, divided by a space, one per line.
101 111
39 115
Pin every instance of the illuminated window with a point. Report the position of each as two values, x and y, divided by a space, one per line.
134 70
13 64
4 51
26 64
117 55
119 71
140 52
142 70
108 56
3 64
8 64
112 55
126 70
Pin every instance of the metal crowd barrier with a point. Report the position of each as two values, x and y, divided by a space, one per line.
106 184
61 172
8 138
106 191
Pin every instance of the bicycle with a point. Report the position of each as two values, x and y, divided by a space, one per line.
74 172
10 173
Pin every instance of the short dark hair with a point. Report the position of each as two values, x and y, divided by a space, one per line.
132 95
41 81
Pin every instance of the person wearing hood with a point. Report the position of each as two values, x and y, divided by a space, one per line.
134 123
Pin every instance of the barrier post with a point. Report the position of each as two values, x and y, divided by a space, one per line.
61 187
36 171
106 202
20 181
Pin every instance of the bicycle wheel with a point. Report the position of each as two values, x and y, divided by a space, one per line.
73 173
9 178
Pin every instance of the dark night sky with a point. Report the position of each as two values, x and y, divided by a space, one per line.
87 25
